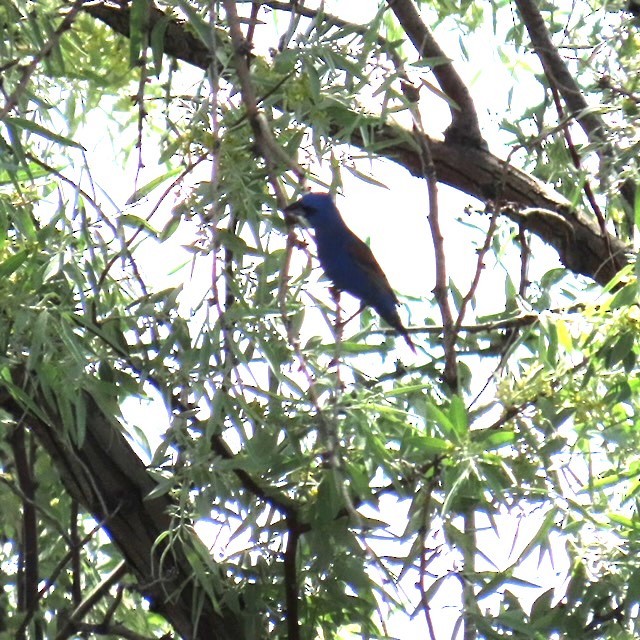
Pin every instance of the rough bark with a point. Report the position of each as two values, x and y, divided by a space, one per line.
109 480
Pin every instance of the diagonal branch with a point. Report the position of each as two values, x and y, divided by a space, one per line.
92 598
579 242
110 481
541 210
464 127
557 71
29 69
562 79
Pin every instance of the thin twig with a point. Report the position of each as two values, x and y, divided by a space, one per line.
424 561
126 250
441 289
493 224
525 255
575 158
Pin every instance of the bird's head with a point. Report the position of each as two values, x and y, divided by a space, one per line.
318 209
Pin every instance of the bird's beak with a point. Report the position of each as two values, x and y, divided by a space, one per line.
294 213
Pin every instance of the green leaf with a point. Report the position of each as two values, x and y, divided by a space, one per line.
138 27
493 439
442 420
434 446
32 171
157 43
11 264
135 222
459 417
434 61
201 28
29 125
170 228
145 190
365 177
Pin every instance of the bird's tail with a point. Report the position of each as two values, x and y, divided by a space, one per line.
396 323
391 316
407 338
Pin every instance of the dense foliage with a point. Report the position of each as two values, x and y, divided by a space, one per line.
194 445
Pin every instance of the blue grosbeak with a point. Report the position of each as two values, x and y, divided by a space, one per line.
347 261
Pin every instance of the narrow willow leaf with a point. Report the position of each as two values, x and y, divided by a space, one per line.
11 264
157 43
202 29
138 26
145 190
135 222
29 125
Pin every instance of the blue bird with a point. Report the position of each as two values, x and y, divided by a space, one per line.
347 261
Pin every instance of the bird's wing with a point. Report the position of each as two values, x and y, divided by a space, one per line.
364 258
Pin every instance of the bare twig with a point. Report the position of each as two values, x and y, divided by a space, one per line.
424 560
125 252
493 223
142 112
441 289
525 255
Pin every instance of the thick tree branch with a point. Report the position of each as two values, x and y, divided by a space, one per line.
464 128
291 582
110 481
557 70
562 79
578 240
179 42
